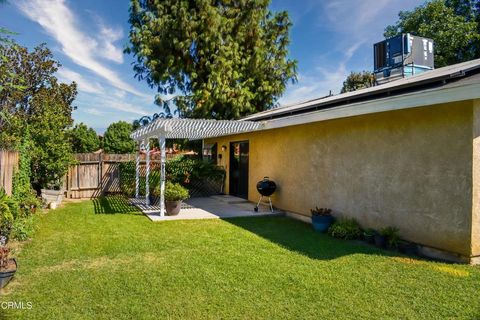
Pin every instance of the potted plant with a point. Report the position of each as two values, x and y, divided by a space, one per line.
380 240
391 236
8 266
369 235
321 219
53 193
174 196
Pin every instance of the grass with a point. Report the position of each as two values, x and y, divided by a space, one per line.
98 260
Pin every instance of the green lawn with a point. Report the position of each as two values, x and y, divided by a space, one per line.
96 260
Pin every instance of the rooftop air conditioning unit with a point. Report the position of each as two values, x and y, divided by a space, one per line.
402 56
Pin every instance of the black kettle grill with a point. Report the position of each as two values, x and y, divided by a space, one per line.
266 188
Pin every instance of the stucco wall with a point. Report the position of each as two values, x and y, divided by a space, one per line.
409 168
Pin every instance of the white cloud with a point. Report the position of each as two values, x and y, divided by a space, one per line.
94 111
68 75
102 103
59 22
319 85
109 50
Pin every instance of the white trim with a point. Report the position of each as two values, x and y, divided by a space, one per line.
406 101
193 129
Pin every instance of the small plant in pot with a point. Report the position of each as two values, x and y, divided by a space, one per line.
154 195
174 196
321 219
391 236
8 266
369 235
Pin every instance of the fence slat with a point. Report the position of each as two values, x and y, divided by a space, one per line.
8 166
97 174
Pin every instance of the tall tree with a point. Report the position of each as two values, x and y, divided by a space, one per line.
225 59
358 80
454 35
117 138
83 139
35 99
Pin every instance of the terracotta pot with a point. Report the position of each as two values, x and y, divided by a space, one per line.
173 207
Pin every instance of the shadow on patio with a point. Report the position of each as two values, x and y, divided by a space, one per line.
114 204
299 237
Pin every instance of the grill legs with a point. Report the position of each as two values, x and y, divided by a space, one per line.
258 203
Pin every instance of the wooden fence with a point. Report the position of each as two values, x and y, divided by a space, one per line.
8 166
98 174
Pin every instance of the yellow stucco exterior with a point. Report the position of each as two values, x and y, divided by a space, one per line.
414 169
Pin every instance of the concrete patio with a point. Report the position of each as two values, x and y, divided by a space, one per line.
214 207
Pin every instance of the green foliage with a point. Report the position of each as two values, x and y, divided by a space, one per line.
23 228
117 138
180 170
42 104
391 233
358 80
22 189
345 228
8 213
455 36
83 139
175 192
225 59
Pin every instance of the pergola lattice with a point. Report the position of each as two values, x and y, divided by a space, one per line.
193 129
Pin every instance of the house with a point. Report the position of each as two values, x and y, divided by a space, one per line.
405 153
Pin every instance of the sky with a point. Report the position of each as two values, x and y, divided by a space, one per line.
329 38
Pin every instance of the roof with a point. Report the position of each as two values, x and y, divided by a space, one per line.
435 78
193 129
453 83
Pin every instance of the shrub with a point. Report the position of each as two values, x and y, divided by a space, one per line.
22 228
180 170
391 233
175 192
345 228
8 213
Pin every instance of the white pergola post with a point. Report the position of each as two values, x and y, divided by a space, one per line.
137 171
162 142
147 174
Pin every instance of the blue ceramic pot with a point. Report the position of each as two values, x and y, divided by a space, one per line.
322 223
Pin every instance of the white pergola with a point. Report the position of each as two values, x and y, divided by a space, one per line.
192 129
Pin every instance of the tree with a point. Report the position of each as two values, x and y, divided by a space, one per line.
117 138
51 117
83 139
42 105
358 80
454 35
226 59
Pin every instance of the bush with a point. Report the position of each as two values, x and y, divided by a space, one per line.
345 228
180 170
22 228
8 213
175 192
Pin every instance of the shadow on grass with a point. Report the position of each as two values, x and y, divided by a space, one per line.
299 237
114 204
